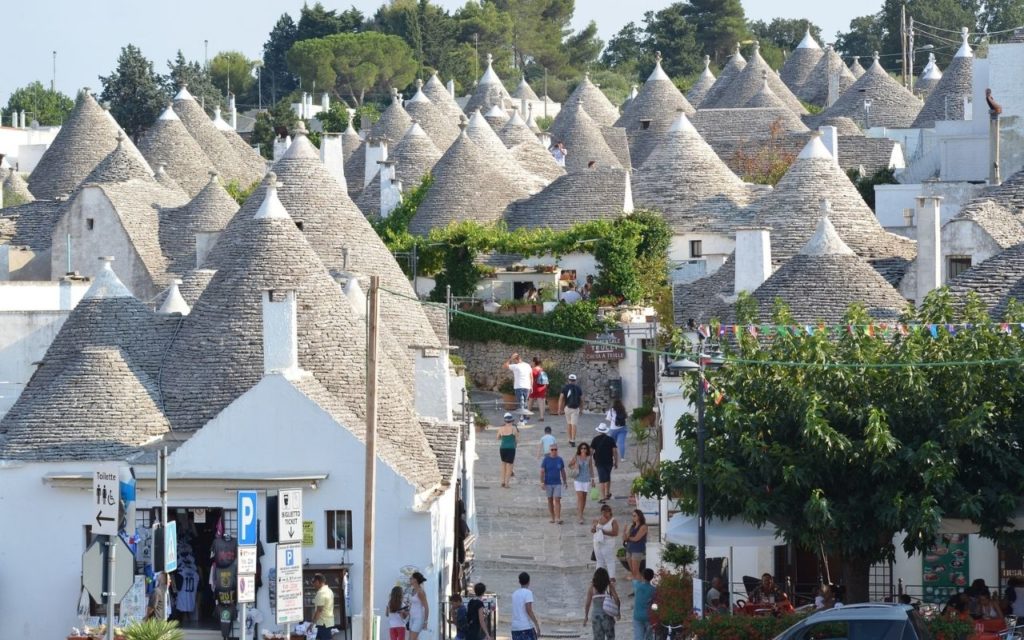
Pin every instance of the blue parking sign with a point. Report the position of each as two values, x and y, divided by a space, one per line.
247 518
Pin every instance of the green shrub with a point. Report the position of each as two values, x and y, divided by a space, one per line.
728 627
943 628
556 380
577 320
154 630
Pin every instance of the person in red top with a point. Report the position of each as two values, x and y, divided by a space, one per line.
539 393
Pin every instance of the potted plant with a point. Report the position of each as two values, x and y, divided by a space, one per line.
556 380
508 393
492 306
154 630
644 414
548 298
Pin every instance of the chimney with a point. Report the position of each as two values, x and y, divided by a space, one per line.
627 201
929 246
451 88
332 156
376 152
830 138
234 112
753 258
204 245
14 119
390 188
21 115
325 102
280 146
302 105
993 148
280 333
174 303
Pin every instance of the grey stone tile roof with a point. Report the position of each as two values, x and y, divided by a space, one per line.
1010 193
414 157
168 143
765 98
856 70
100 407
524 91
166 181
444 439
15 185
745 124
749 81
350 141
84 140
584 140
652 112
437 315
34 222
593 101
210 210
730 71
489 91
861 151
251 158
815 88
393 123
481 133
516 132
930 76
496 117
120 165
193 283
685 180
702 86
437 124
355 170
582 196
792 209
844 126
1004 227
468 185
705 299
800 63
995 281
946 99
892 105
438 94
368 200
223 156
537 160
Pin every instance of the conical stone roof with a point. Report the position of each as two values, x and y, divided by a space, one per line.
515 132
84 140
844 126
350 141
169 144
815 89
15 185
892 106
733 67
702 86
946 99
585 196
480 132
750 80
468 185
537 160
355 170
496 117
800 63
438 94
414 157
524 91
252 159
930 76
120 165
435 122
821 282
688 183
224 158
393 123
166 181
210 210
583 140
652 112
793 207
765 98
488 92
594 102
856 70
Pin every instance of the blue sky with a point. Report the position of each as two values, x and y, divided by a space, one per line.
88 34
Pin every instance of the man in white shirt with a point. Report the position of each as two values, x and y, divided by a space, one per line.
524 622
522 380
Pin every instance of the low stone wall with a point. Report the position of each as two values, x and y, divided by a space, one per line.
484 362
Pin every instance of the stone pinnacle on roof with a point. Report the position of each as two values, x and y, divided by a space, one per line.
271 206
946 97
891 105
516 131
732 68
593 101
489 91
414 156
496 117
703 84
658 73
826 240
169 143
174 302
106 284
800 63
438 94
765 98
808 41
120 165
183 93
218 120
394 122
856 69
524 91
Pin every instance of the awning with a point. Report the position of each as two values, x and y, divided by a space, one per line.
682 529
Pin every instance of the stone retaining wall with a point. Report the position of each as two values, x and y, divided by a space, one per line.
484 362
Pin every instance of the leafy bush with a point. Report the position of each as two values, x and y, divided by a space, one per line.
154 630
577 320
728 627
866 184
943 628
681 555
674 597
240 193
556 380
544 123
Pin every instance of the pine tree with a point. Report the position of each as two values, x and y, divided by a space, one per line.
720 24
275 58
133 91
39 104
191 73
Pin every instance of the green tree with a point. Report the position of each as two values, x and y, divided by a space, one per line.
354 64
862 434
276 73
276 121
538 28
671 32
627 51
39 103
1001 15
334 119
231 72
583 48
133 91
863 38
318 22
189 72
949 15
784 33
719 25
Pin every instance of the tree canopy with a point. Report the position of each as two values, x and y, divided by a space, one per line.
39 103
232 72
862 433
182 71
134 91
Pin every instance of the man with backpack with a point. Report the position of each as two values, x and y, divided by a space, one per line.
570 402
477 624
539 393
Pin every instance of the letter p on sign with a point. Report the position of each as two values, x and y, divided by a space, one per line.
247 518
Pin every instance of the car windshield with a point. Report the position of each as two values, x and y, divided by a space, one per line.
858 630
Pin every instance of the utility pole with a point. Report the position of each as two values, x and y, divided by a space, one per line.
910 37
903 41
53 80
111 596
372 323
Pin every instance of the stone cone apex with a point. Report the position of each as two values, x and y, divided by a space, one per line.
814 148
707 68
183 93
658 73
931 70
174 302
826 240
168 114
490 77
965 48
218 120
271 206
107 284
808 41
419 96
682 123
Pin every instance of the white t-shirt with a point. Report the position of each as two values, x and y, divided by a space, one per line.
546 442
522 375
520 619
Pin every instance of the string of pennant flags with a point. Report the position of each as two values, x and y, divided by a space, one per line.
879 329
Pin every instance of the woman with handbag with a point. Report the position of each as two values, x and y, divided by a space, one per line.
581 470
606 606
634 539
606 536
616 417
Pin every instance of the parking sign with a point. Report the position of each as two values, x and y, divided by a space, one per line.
247 518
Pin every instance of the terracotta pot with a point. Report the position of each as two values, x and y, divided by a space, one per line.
508 400
552 406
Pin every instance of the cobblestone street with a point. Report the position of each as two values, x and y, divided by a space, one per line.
515 533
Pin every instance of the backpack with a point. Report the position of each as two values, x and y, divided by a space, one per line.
542 378
572 396
462 621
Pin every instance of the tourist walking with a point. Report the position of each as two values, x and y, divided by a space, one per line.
524 622
643 596
634 538
606 537
323 613
419 607
508 438
546 442
477 624
552 479
602 597
539 392
458 615
570 402
606 458
522 379
581 470
396 614
616 417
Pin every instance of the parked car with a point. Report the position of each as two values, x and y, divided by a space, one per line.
873 621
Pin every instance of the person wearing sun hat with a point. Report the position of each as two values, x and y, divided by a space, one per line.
606 458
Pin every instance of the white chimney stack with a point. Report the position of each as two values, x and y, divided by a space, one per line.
174 303
325 102
280 333
390 189
451 88
14 119
21 114
332 156
830 138
302 105
234 112
929 246
627 202
376 152
753 259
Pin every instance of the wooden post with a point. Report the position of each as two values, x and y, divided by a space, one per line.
372 323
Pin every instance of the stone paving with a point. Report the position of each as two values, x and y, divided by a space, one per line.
515 533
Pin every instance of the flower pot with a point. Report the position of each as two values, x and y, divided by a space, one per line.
553 405
508 400
549 306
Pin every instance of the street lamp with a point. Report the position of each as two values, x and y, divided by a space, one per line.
713 360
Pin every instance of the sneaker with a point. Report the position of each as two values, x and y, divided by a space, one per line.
572 444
